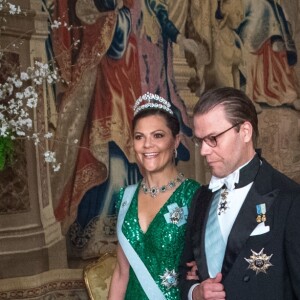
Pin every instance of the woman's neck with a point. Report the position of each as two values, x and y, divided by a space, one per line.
160 178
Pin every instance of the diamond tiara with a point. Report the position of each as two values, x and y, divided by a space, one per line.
148 101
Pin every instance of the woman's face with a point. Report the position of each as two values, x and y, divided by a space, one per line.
154 144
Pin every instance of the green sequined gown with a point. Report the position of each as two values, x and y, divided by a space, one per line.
160 247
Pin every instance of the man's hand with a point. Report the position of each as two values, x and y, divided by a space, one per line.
210 289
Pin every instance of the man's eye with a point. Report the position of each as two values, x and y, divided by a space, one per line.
211 139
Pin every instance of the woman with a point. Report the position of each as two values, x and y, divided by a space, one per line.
152 214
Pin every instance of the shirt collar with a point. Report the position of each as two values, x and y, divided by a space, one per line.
230 180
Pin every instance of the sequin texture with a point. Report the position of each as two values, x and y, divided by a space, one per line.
160 247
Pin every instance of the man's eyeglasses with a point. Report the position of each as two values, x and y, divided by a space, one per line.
211 140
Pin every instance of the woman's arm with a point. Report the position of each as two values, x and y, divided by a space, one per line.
120 277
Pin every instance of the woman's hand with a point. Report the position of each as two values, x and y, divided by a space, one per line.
193 273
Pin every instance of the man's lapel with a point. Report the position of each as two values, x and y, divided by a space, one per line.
260 192
200 219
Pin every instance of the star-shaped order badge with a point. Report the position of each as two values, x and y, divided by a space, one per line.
259 262
176 215
169 279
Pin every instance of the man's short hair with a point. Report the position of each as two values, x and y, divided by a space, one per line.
237 105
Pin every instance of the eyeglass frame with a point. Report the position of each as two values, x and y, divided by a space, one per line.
199 141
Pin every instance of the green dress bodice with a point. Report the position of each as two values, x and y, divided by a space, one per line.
160 247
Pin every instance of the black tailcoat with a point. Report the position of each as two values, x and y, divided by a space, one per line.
281 281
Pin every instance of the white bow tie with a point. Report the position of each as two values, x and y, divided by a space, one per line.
230 180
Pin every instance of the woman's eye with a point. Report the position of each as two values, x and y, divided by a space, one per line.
158 135
137 137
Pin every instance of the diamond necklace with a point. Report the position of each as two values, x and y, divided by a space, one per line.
153 191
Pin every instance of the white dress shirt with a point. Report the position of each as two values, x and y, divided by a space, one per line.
235 200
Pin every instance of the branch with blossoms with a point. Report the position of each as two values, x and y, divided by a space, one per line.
20 94
18 99
11 8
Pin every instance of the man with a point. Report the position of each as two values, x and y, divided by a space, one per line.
243 231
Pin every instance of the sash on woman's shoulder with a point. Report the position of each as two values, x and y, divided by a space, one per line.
146 280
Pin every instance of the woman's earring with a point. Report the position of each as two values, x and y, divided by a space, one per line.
175 153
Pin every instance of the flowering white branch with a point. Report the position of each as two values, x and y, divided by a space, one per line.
19 97
20 90
11 8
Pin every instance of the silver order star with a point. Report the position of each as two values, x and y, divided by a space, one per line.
169 279
259 262
176 215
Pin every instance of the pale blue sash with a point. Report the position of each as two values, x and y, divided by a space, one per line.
214 242
147 282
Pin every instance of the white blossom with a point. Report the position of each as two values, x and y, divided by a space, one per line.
50 156
36 139
19 95
56 167
17 82
56 24
38 81
3 130
31 102
24 76
50 79
12 9
48 135
76 42
20 133
29 91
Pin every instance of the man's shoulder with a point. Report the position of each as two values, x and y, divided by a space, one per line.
203 193
202 190
276 178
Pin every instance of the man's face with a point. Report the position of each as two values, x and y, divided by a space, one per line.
234 148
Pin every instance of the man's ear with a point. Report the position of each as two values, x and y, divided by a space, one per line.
246 130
